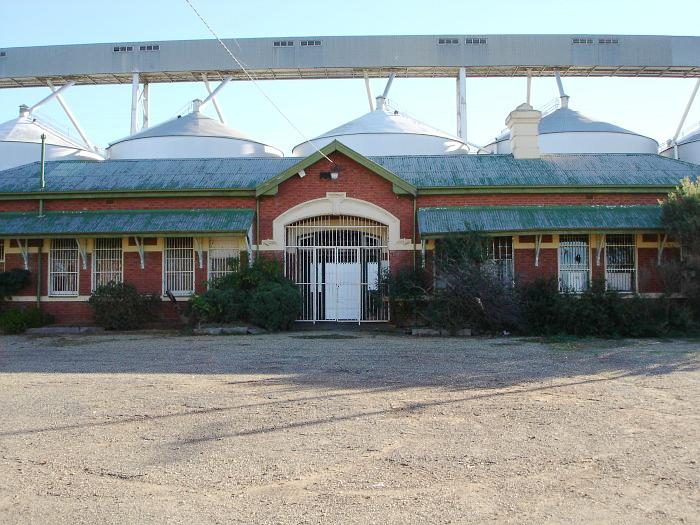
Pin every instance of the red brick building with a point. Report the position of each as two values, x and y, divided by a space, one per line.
336 219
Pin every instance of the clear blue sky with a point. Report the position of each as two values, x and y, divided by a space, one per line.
650 106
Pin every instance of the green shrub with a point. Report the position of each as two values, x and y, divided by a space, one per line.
598 312
257 293
680 216
221 305
119 306
275 305
12 281
18 320
541 305
408 290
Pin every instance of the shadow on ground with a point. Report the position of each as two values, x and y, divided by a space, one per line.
349 359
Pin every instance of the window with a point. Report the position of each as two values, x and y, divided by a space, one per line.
310 42
150 47
106 262
608 41
123 49
178 266
283 43
500 259
620 262
448 41
221 251
3 54
584 41
574 264
63 267
476 41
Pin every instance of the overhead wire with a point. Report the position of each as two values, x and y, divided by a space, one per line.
254 81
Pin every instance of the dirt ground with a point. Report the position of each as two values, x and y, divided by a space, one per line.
319 427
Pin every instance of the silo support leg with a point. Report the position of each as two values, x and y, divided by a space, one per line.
145 102
134 102
462 104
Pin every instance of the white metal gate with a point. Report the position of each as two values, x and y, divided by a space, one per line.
337 263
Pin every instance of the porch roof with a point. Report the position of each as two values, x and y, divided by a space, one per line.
82 223
436 222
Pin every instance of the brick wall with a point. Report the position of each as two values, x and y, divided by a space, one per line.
524 264
355 180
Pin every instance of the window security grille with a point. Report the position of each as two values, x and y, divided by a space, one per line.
178 267
574 263
106 262
620 262
310 42
63 267
283 43
608 41
123 49
448 41
585 41
476 41
500 259
221 255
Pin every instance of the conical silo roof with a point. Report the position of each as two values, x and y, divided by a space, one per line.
192 135
27 128
380 132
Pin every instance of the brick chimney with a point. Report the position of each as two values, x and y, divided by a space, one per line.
524 123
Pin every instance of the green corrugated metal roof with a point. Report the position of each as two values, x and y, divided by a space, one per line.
604 169
457 219
421 171
126 222
144 175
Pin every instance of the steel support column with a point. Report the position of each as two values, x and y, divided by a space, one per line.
134 101
145 102
462 104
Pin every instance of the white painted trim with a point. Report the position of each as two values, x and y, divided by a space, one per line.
336 203
50 298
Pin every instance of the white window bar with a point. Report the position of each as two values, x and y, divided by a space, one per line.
178 266
500 259
63 267
620 262
574 263
107 262
337 263
221 254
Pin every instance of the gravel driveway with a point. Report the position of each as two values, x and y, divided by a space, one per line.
318 427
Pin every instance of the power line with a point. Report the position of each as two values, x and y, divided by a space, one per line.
254 81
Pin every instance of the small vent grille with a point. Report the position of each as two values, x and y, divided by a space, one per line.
310 42
475 41
150 47
608 41
581 41
448 41
283 43
123 49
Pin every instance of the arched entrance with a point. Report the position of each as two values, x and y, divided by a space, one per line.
337 261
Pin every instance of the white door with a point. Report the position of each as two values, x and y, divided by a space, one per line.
343 287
